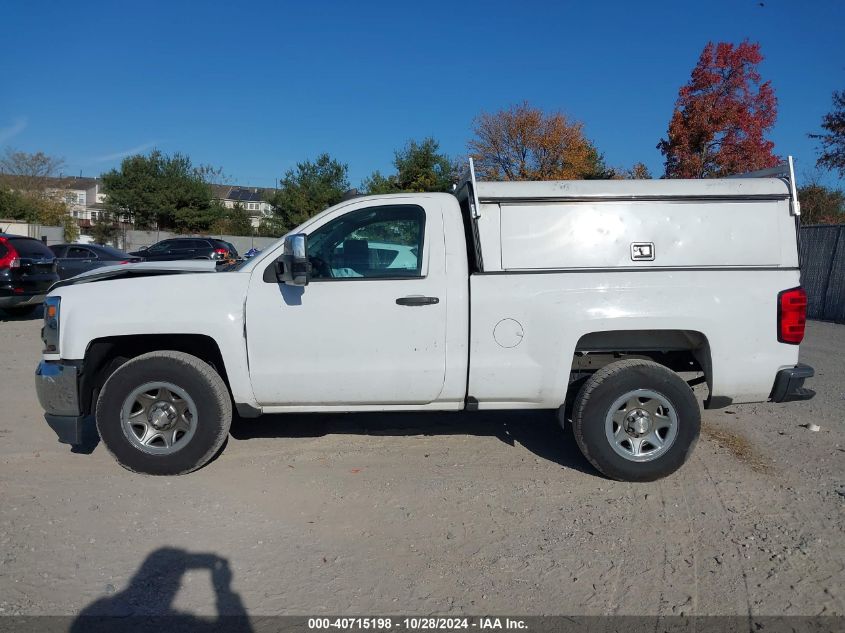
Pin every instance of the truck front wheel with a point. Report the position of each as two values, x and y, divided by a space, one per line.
635 420
164 413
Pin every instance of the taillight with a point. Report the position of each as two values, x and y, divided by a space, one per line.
792 315
10 259
220 253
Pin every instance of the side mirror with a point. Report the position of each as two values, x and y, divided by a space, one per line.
293 266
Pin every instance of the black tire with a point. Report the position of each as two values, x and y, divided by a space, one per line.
19 311
198 379
595 400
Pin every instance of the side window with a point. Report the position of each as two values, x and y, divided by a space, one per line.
374 243
160 247
182 245
74 252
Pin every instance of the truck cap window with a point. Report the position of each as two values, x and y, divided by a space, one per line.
373 243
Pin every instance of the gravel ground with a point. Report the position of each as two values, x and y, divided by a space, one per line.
449 514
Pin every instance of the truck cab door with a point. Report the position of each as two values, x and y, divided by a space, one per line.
370 327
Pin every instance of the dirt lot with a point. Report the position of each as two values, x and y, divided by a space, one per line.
448 514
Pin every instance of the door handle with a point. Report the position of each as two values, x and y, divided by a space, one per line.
417 300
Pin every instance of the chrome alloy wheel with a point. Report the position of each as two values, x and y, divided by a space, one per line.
641 425
158 418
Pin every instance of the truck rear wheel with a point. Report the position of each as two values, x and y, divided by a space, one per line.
635 420
164 413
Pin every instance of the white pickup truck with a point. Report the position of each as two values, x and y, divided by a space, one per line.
605 300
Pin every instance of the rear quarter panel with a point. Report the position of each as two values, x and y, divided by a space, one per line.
734 309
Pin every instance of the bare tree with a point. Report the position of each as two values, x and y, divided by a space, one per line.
30 173
212 175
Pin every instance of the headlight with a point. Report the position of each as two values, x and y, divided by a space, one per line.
50 331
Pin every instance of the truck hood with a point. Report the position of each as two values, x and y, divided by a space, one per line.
140 269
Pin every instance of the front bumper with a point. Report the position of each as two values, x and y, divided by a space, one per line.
789 384
57 386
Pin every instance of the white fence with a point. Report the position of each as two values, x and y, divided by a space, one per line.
49 234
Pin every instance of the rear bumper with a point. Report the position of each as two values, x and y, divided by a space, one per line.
57 386
24 289
789 384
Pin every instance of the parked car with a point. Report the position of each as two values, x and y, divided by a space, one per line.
26 273
73 259
188 248
604 300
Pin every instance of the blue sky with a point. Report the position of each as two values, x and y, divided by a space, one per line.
255 87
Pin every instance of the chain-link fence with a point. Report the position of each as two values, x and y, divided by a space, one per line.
822 254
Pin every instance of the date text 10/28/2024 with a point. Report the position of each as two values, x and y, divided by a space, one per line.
417 624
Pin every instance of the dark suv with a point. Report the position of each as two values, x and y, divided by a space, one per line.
26 273
188 248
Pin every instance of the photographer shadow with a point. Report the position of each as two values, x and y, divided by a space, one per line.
147 602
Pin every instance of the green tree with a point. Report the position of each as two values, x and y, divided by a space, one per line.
377 183
239 221
307 190
50 212
104 229
234 221
18 206
31 207
71 228
821 205
596 168
420 166
159 190
199 219
270 226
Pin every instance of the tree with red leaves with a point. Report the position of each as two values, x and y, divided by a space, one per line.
721 116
